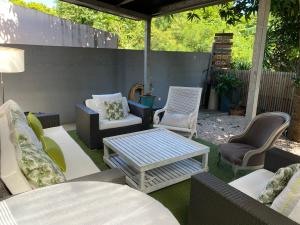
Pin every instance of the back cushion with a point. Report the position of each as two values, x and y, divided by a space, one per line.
100 99
90 103
262 129
11 174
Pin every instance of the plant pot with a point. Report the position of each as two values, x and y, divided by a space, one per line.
241 111
225 103
147 100
213 100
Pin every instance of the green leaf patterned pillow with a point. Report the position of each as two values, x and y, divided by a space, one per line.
15 114
36 165
277 183
114 110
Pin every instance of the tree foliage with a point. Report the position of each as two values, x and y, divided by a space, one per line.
191 31
282 47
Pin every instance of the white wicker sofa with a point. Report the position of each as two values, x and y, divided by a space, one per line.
79 165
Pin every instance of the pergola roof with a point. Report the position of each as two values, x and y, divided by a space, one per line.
144 9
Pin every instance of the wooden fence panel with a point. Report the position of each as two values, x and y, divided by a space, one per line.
276 90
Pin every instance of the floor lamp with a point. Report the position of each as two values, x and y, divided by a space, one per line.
11 61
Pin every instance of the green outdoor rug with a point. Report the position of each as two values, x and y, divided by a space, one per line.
175 197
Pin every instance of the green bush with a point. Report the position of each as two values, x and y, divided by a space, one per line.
226 83
297 81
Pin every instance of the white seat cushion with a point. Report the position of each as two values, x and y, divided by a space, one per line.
175 120
254 183
77 161
129 120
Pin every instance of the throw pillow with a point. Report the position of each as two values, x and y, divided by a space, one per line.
25 130
114 110
36 125
175 120
125 106
100 99
38 168
15 114
54 152
277 183
286 201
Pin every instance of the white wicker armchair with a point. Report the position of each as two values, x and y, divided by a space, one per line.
181 101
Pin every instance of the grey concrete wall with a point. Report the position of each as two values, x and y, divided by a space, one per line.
56 78
20 25
167 68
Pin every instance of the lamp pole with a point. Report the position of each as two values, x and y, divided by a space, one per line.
2 86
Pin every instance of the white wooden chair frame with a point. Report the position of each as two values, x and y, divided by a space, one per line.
193 116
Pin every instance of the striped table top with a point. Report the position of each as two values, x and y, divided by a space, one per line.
153 148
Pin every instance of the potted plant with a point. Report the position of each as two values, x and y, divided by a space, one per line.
148 99
227 89
294 129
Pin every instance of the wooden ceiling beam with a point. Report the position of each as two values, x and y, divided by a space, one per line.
108 8
186 5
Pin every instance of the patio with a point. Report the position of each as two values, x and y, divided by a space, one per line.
95 157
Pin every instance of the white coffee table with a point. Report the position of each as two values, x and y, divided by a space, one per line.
156 158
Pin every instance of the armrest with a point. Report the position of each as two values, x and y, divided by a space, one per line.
158 115
277 158
141 111
87 125
212 202
112 176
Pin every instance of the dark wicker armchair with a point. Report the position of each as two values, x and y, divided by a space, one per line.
214 202
87 124
247 150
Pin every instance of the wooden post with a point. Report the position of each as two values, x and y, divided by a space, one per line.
147 58
258 57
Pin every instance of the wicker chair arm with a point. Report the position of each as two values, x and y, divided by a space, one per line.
277 158
156 118
141 111
212 202
87 124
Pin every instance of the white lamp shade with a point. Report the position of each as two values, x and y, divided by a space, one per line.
11 60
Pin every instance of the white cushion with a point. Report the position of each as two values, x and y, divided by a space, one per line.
90 103
254 183
285 202
77 161
295 214
125 106
100 99
11 174
129 120
175 120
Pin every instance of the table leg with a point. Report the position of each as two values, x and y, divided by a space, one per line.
106 152
205 162
142 181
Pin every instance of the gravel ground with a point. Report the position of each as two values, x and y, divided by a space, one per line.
217 127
